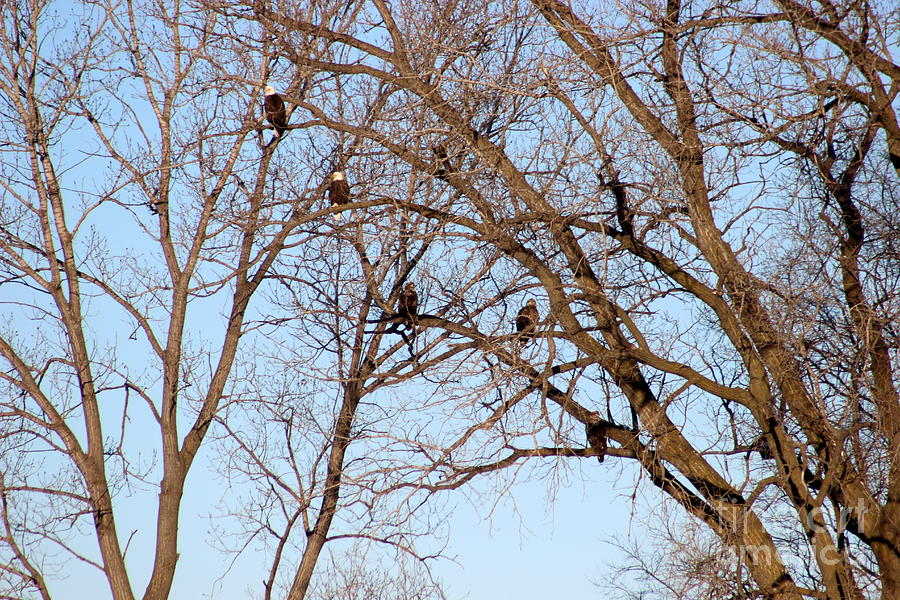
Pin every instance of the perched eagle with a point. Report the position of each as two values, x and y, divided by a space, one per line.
761 445
527 320
338 190
596 437
408 303
275 111
441 160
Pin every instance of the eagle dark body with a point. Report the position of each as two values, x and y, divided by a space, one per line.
276 113
527 319
596 437
408 312
338 190
408 302
442 160
448 159
761 445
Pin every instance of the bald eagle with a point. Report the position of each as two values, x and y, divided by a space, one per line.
338 190
596 437
408 303
275 111
527 320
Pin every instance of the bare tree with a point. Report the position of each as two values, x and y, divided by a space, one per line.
136 170
324 463
691 189
143 194
699 199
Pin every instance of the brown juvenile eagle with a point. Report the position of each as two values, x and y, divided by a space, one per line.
408 303
275 111
338 190
527 320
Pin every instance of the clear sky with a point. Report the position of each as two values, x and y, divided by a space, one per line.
535 547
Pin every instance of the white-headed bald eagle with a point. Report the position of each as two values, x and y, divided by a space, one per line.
275 111
338 190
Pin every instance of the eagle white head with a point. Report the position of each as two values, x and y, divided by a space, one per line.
270 90
337 176
531 302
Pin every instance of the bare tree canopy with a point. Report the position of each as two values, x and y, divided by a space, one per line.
696 202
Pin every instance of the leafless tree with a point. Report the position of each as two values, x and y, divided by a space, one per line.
142 189
316 459
702 198
144 204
